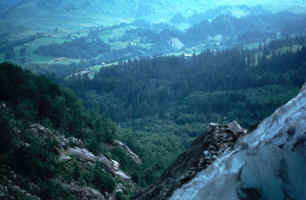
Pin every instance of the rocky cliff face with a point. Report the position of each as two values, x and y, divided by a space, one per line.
69 150
267 163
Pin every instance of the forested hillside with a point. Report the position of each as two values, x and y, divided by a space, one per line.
162 103
51 147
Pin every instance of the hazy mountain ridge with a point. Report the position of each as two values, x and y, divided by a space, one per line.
137 8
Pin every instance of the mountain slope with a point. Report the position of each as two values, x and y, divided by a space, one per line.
51 147
267 163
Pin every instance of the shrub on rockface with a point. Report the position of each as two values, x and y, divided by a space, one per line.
121 196
6 136
103 181
37 160
6 132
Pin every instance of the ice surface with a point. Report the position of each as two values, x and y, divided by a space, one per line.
268 163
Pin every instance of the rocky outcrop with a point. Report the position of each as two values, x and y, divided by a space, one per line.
89 158
69 150
85 193
74 148
132 155
216 140
82 154
45 134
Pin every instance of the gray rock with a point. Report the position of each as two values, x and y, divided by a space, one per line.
82 154
236 128
89 158
133 155
85 193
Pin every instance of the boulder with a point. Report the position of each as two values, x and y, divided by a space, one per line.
236 128
82 154
115 165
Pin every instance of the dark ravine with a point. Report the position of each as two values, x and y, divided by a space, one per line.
267 163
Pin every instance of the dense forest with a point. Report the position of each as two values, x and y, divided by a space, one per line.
78 48
201 84
164 102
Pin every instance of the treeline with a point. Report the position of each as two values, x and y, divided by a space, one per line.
206 83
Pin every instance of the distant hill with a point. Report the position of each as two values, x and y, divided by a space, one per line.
132 8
